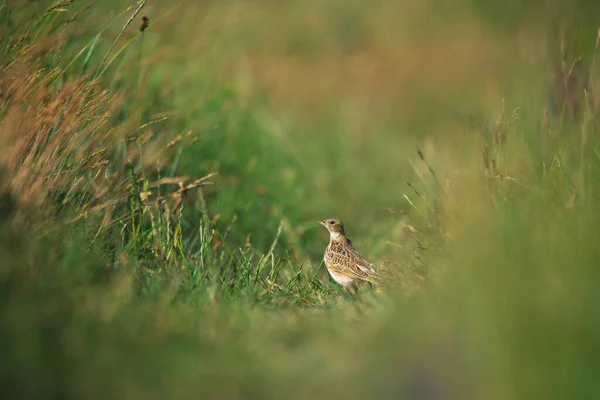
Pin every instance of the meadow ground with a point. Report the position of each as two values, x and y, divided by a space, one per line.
160 188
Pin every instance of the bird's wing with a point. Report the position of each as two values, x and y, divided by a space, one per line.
349 263
361 263
349 271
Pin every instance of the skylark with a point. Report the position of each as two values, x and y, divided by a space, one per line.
343 262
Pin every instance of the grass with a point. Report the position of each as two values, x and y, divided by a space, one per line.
159 193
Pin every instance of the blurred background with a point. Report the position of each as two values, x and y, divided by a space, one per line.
161 189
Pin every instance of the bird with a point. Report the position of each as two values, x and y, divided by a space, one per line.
344 264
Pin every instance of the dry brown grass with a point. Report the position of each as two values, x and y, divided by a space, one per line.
54 140
63 147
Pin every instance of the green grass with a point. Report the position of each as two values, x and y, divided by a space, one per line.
159 194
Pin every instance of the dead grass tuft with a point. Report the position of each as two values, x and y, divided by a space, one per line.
62 145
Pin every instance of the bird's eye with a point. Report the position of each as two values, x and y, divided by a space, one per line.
331 222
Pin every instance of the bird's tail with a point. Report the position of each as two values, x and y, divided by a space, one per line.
377 277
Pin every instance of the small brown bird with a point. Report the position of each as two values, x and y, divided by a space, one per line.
343 262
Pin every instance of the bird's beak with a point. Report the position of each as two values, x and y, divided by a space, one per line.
322 223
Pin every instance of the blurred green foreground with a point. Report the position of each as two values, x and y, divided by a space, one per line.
161 183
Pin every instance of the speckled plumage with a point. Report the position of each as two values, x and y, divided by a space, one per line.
343 262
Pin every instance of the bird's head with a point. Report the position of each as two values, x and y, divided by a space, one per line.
334 226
